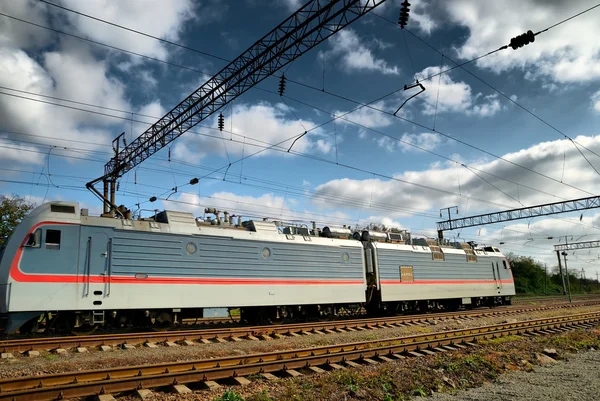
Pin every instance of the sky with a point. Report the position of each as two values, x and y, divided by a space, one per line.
511 129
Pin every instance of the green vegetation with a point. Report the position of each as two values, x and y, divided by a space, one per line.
447 372
12 211
531 277
229 396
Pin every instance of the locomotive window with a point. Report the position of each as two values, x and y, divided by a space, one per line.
52 239
504 263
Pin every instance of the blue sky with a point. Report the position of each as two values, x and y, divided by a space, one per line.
366 167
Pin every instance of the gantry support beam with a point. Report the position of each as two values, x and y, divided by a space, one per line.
577 245
310 25
516 214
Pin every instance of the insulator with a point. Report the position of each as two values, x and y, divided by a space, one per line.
193 181
522 40
153 199
221 122
404 10
118 186
282 85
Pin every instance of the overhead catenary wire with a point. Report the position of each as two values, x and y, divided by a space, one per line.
408 143
361 105
274 147
461 65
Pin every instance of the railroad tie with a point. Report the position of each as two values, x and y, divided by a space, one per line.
180 389
336 366
242 381
104 397
270 376
385 359
291 373
316 369
352 364
143 393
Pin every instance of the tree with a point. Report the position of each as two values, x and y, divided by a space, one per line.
12 210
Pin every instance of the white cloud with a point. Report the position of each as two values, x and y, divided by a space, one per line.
410 142
596 101
18 34
354 54
490 107
567 53
255 126
419 15
544 157
451 96
366 116
55 78
426 140
292 5
157 18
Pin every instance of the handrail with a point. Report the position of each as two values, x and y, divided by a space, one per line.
89 265
109 264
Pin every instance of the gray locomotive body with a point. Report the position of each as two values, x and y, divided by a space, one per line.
88 270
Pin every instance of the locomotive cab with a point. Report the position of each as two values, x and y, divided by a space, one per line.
43 243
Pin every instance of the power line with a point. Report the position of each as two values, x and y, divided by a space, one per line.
575 143
276 149
128 119
135 31
330 93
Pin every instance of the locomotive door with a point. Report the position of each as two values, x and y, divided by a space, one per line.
496 273
96 272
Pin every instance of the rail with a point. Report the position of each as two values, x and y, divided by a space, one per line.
85 383
260 332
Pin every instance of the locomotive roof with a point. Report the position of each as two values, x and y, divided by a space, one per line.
178 222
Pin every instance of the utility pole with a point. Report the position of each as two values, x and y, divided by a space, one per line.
567 274
440 233
545 279
597 274
562 277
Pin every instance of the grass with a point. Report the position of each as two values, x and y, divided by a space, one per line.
229 396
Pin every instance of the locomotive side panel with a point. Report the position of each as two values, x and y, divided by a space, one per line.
407 273
104 268
220 271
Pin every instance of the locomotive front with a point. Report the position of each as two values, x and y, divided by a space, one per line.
24 260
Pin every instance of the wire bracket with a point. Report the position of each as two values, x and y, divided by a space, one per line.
410 87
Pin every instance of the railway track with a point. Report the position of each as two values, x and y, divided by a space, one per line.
234 334
122 379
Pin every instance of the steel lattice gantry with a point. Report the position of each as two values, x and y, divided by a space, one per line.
310 25
522 213
577 245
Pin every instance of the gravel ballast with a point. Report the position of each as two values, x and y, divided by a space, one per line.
577 379
46 363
